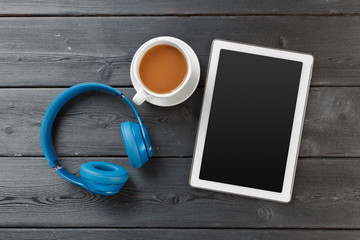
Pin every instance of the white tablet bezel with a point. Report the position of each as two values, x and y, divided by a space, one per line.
285 195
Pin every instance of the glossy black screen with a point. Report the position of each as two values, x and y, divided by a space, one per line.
251 120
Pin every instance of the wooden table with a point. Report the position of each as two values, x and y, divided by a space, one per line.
47 46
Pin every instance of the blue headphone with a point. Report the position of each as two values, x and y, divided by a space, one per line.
98 177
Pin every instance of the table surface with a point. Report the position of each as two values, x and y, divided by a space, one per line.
48 46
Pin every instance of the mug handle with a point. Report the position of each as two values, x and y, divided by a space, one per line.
140 97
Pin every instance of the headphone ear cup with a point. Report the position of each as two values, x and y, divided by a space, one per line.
103 178
134 144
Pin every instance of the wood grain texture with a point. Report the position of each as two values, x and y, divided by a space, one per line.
56 52
89 125
43 50
145 234
332 121
325 195
170 7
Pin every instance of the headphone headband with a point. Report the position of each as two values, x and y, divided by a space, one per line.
55 107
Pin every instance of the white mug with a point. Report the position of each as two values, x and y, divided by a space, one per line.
143 93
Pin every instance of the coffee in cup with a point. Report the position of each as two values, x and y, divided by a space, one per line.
162 69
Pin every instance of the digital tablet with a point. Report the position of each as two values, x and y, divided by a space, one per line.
251 120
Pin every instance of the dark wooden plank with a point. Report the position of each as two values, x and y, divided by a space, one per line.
145 234
332 123
65 51
159 7
89 125
158 195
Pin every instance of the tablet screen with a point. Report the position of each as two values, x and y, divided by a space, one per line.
251 119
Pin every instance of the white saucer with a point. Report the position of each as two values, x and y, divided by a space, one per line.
186 91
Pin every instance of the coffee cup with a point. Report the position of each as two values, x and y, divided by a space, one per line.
184 66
